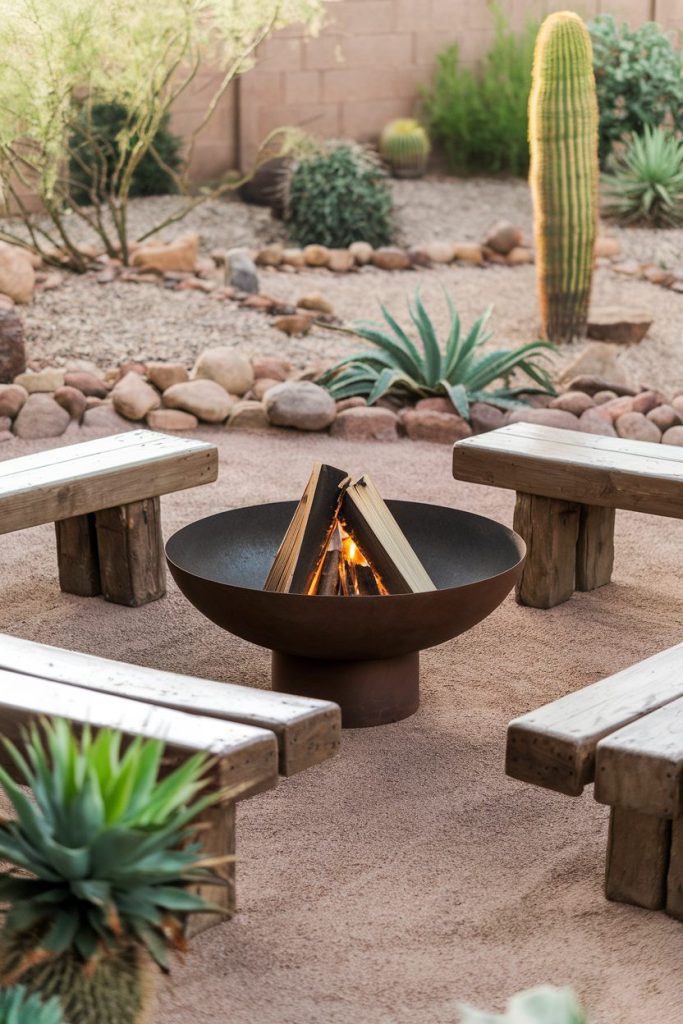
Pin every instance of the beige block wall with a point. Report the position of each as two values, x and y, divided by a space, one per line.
365 67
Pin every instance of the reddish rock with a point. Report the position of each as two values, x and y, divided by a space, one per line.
636 427
617 407
519 256
165 375
90 385
71 399
17 276
390 257
5 424
677 403
365 424
592 422
12 397
264 303
262 385
607 247
341 261
12 349
437 404
41 416
270 255
545 418
197 284
657 275
131 366
485 417
316 255
246 415
620 326
646 401
575 402
133 397
315 303
674 435
503 237
180 254
271 366
351 403
295 325
592 384
105 417
171 419
663 416
468 252
600 397
631 268
6 435
430 425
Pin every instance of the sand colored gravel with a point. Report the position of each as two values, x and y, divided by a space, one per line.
408 872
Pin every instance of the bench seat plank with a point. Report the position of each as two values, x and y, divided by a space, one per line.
554 747
88 477
639 767
308 731
568 467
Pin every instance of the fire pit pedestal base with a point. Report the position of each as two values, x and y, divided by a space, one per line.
369 693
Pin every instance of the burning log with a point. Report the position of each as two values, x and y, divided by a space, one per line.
344 541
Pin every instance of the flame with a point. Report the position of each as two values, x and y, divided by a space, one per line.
350 558
351 553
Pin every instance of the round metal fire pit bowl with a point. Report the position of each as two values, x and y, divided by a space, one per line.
361 652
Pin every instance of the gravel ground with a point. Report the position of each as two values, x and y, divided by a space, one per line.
109 323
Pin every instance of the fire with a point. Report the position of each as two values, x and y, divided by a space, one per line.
351 553
344 570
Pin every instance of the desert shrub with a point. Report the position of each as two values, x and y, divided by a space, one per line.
645 184
95 152
639 78
337 196
479 117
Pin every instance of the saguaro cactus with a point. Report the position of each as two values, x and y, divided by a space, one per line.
563 137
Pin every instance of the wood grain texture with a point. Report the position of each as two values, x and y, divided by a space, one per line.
308 731
77 558
594 547
637 859
131 553
640 766
218 837
82 478
572 466
674 885
555 746
550 529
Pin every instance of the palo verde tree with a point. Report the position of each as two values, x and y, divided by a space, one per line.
62 61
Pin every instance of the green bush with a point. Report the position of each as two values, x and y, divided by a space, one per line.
95 153
639 78
646 184
545 1004
337 196
479 118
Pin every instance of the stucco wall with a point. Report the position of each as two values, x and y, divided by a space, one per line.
365 67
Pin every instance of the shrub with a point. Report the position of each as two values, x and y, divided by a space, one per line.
479 118
545 1004
95 153
458 370
646 185
18 1007
639 78
337 196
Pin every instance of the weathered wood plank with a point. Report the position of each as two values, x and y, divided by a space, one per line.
149 465
619 447
594 547
247 756
555 746
218 840
308 730
77 558
674 886
571 470
637 858
549 529
131 553
640 766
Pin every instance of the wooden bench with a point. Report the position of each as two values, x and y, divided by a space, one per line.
625 734
103 497
255 734
568 486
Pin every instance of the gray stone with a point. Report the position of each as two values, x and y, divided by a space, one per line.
225 366
205 399
243 274
302 405
41 416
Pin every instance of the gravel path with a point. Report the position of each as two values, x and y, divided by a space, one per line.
109 323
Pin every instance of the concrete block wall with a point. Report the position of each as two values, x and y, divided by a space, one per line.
365 67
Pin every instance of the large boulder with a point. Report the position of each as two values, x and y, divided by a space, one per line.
133 397
227 367
12 349
17 276
41 416
300 404
179 255
205 399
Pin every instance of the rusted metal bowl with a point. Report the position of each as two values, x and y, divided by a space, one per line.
358 651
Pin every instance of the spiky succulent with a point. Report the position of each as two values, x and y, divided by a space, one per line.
17 1006
545 1004
458 370
646 183
103 853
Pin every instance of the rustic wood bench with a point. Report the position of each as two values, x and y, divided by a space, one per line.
103 497
568 486
255 734
625 734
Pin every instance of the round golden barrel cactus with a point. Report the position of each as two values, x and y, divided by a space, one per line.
405 146
563 138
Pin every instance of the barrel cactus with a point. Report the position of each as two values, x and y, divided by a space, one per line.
404 145
17 1006
102 859
563 136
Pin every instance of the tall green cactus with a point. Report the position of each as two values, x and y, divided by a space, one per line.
563 136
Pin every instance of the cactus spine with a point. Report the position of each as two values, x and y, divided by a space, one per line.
563 137
404 145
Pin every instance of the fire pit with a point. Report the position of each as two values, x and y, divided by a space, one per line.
361 652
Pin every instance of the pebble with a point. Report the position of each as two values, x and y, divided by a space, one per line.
316 303
468 252
17 276
243 273
302 405
503 237
105 417
340 261
600 397
295 325
270 255
355 402
316 255
294 258
179 255
263 384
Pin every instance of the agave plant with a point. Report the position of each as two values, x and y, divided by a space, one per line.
17 1006
102 858
646 185
459 370
545 1004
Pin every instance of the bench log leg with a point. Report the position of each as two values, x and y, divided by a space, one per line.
218 840
130 545
77 557
550 530
674 889
637 858
595 547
